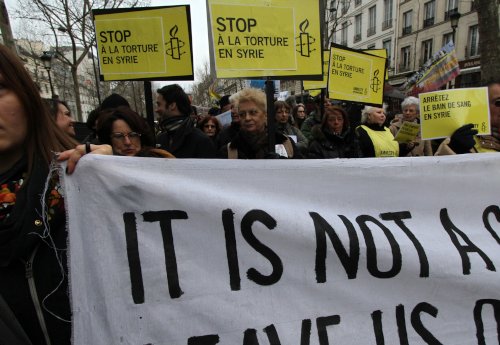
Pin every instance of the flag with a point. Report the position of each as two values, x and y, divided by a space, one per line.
214 96
436 72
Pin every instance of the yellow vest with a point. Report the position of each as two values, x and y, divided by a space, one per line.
384 144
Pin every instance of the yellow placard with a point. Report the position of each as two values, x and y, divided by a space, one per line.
442 112
355 76
381 53
320 84
146 43
265 38
408 132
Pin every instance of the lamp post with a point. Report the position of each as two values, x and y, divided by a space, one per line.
454 18
47 64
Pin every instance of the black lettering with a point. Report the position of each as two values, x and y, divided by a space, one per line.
305 334
377 327
210 339
401 322
104 39
495 210
231 249
349 261
250 337
222 26
272 335
470 247
134 260
371 250
246 231
416 322
322 323
165 218
398 217
478 308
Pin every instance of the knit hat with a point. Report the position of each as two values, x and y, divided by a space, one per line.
113 101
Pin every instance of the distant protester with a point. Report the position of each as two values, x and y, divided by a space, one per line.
210 126
282 115
62 115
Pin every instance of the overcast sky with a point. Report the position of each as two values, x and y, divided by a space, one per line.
198 27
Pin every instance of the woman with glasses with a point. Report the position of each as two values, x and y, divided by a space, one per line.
465 140
128 134
210 126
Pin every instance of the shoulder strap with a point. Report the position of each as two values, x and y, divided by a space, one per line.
288 147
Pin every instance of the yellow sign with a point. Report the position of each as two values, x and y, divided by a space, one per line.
142 44
408 132
265 38
356 76
381 53
320 84
442 112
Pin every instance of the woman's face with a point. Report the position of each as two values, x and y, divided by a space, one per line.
301 113
252 119
64 119
410 113
377 116
282 115
13 127
209 128
335 122
124 140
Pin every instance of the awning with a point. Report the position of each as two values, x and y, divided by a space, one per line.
470 70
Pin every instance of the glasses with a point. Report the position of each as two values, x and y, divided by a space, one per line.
121 136
251 112
209 126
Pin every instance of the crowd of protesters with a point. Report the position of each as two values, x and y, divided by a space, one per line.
34 300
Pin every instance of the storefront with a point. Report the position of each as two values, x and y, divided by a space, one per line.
470 73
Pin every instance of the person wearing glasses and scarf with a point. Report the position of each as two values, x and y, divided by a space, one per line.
128 134
210 126
465 140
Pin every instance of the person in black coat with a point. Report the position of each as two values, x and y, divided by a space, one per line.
333 138
178 134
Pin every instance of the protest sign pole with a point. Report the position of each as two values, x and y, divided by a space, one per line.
271 123
148 96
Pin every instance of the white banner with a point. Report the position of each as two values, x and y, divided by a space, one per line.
305 252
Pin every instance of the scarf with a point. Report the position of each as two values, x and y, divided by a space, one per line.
171 124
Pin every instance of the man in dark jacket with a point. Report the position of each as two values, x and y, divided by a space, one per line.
178 135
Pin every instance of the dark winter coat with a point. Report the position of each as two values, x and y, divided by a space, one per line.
326 144
33 270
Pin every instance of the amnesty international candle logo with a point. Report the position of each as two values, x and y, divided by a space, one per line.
305 40
375 84
174 45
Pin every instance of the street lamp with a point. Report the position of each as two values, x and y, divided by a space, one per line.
454 18
47 64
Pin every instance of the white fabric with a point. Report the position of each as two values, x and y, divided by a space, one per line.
292 193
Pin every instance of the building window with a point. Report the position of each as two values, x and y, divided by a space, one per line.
357 3
343 33
407 21
473 42
451 7
372 20
405 59
429 12
387 45
447 38
345 6
357 28
426 50
387 23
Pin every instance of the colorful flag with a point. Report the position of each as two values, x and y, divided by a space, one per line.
214 96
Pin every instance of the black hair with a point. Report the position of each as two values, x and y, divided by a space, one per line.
175 93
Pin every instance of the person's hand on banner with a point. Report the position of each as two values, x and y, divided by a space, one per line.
462 140
74 155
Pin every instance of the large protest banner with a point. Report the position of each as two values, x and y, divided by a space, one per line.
265 38
144 43
369 251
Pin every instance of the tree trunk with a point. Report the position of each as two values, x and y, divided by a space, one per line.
76 87
5 28
489 37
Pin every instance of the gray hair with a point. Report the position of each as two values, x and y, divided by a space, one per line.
411 101
367 110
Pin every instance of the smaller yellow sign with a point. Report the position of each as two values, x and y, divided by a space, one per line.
146 43
356 76
408 132
381 53
320 84
442 112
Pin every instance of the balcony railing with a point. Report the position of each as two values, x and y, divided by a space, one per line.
447 14
386 24
428 22
370 31
357 37
407 30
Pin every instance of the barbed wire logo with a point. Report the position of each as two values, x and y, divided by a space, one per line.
175 45
305 40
